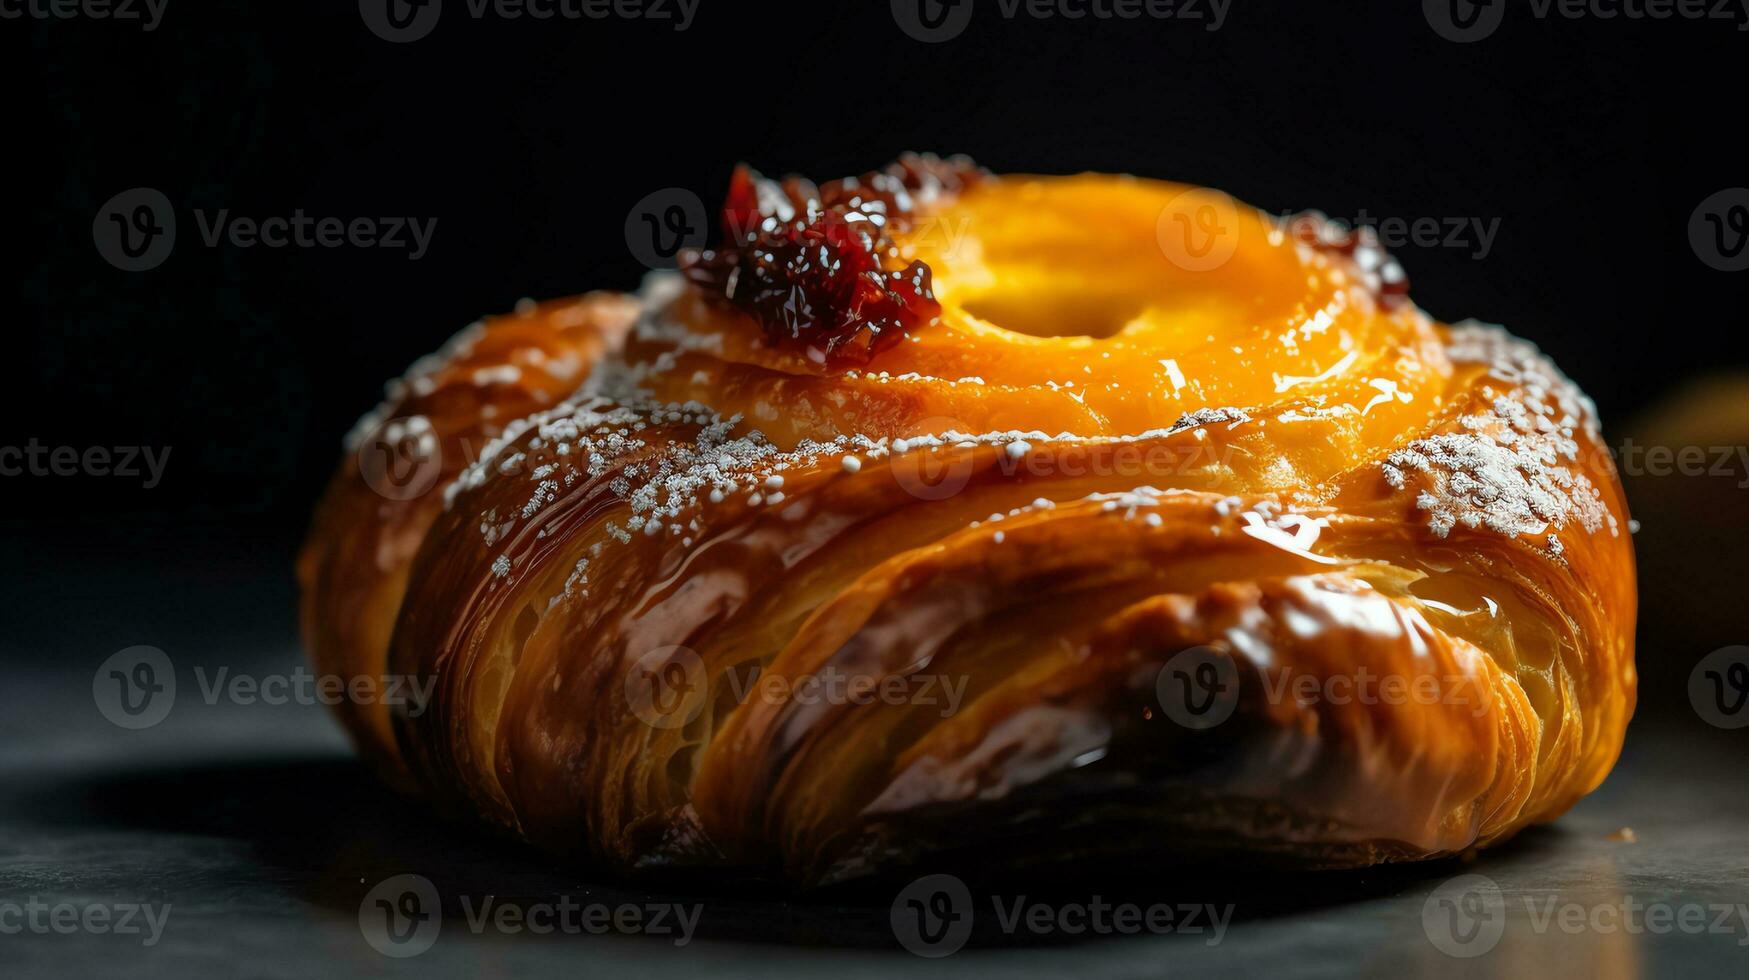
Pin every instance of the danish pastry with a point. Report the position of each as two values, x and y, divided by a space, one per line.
938 516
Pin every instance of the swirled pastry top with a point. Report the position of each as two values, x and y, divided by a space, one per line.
1038 433
1114 309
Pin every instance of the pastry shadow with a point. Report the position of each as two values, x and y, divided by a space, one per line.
327 831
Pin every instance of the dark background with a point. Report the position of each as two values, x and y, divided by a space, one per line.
1591 141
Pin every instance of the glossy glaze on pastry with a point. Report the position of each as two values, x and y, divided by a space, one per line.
1059 432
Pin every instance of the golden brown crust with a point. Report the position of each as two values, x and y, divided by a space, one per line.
634 605
388 488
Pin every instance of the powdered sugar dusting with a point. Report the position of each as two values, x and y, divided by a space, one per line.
1508 469
1211 416
1518 361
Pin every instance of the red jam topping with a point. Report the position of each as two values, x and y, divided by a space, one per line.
817 266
